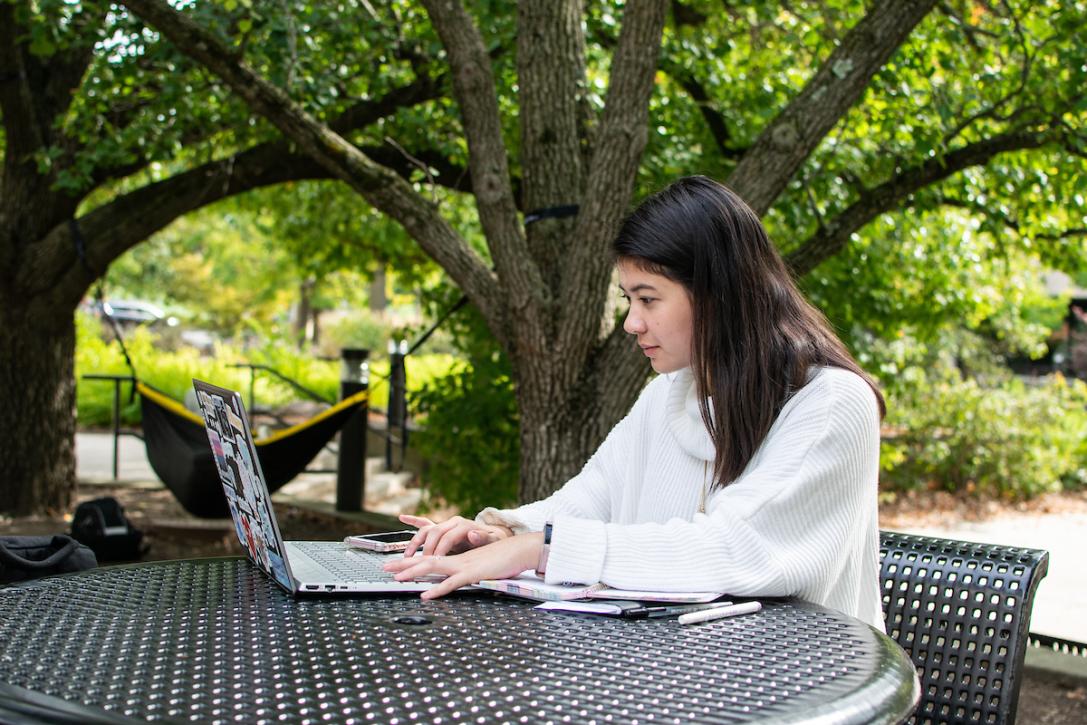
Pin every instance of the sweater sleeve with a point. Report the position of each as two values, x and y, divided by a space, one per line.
590 495
781 529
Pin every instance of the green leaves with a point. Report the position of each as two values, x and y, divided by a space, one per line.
1009 439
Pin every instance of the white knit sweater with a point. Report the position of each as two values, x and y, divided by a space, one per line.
800 521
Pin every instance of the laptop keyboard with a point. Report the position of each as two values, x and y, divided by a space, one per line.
345 563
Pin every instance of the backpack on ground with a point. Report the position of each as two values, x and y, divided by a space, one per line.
102 525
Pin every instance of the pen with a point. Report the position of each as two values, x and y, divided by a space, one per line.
708 615
683 609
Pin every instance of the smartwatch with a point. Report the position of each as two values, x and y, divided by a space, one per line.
541 565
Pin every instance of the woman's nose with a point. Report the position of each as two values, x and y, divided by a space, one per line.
633 324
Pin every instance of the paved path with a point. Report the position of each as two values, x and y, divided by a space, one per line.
1060 609
94 458
386 492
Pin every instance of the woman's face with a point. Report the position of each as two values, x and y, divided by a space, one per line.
660 316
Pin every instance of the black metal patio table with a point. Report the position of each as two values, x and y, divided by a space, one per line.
213 640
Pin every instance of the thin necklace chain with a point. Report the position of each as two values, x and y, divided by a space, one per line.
705 478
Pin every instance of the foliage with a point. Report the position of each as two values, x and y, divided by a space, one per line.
239 266
357 329
471 442
471 438
1009 439
904 277
216 268
962 249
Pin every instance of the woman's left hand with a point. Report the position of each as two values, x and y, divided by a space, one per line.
500 560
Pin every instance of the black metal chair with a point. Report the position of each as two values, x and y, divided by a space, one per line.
961 611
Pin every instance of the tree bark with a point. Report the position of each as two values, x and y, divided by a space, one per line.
304 312
567 402
474 87
37 386
781 148
550 82
586 270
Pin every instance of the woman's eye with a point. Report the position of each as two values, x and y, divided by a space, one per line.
645 300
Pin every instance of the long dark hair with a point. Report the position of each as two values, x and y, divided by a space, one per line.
755 337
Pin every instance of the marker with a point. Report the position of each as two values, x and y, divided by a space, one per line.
708 615
683 609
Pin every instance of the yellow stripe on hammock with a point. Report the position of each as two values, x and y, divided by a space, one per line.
178 409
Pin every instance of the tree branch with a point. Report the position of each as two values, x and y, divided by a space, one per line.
473 84
782 147
381 187
715 120
612 171
1012 223
991 110
113 228
353 118
830 239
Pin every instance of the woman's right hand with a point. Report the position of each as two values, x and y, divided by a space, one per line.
451 536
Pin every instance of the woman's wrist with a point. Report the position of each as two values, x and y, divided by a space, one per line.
531 550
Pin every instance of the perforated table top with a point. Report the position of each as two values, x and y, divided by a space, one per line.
212 640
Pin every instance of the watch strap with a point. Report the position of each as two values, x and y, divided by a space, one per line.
541 565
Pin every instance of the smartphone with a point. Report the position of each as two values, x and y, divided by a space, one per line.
390 541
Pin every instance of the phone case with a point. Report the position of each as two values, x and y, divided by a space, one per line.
361 542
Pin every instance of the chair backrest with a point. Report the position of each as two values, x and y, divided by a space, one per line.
961 611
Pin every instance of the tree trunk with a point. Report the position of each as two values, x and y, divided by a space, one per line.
562 427
303 312
378 298
37 447
554 447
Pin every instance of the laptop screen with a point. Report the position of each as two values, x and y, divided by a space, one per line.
243 482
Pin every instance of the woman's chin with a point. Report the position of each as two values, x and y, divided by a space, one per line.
662 366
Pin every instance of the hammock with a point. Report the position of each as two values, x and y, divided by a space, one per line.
180 454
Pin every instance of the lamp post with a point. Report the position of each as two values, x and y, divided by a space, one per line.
398 403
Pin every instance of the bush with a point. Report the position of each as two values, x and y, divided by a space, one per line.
358 329
472 439
1005 438
471 442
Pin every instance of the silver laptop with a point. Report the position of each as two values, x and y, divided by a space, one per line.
298 566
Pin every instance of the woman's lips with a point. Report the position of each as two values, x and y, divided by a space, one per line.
649 349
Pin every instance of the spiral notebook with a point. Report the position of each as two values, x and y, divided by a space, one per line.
530 586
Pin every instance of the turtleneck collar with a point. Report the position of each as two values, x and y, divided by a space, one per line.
684 419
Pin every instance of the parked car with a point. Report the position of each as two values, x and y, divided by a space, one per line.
133 312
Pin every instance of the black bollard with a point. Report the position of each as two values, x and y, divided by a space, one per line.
398 406
351 466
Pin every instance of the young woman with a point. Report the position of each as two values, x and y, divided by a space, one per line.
749 465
